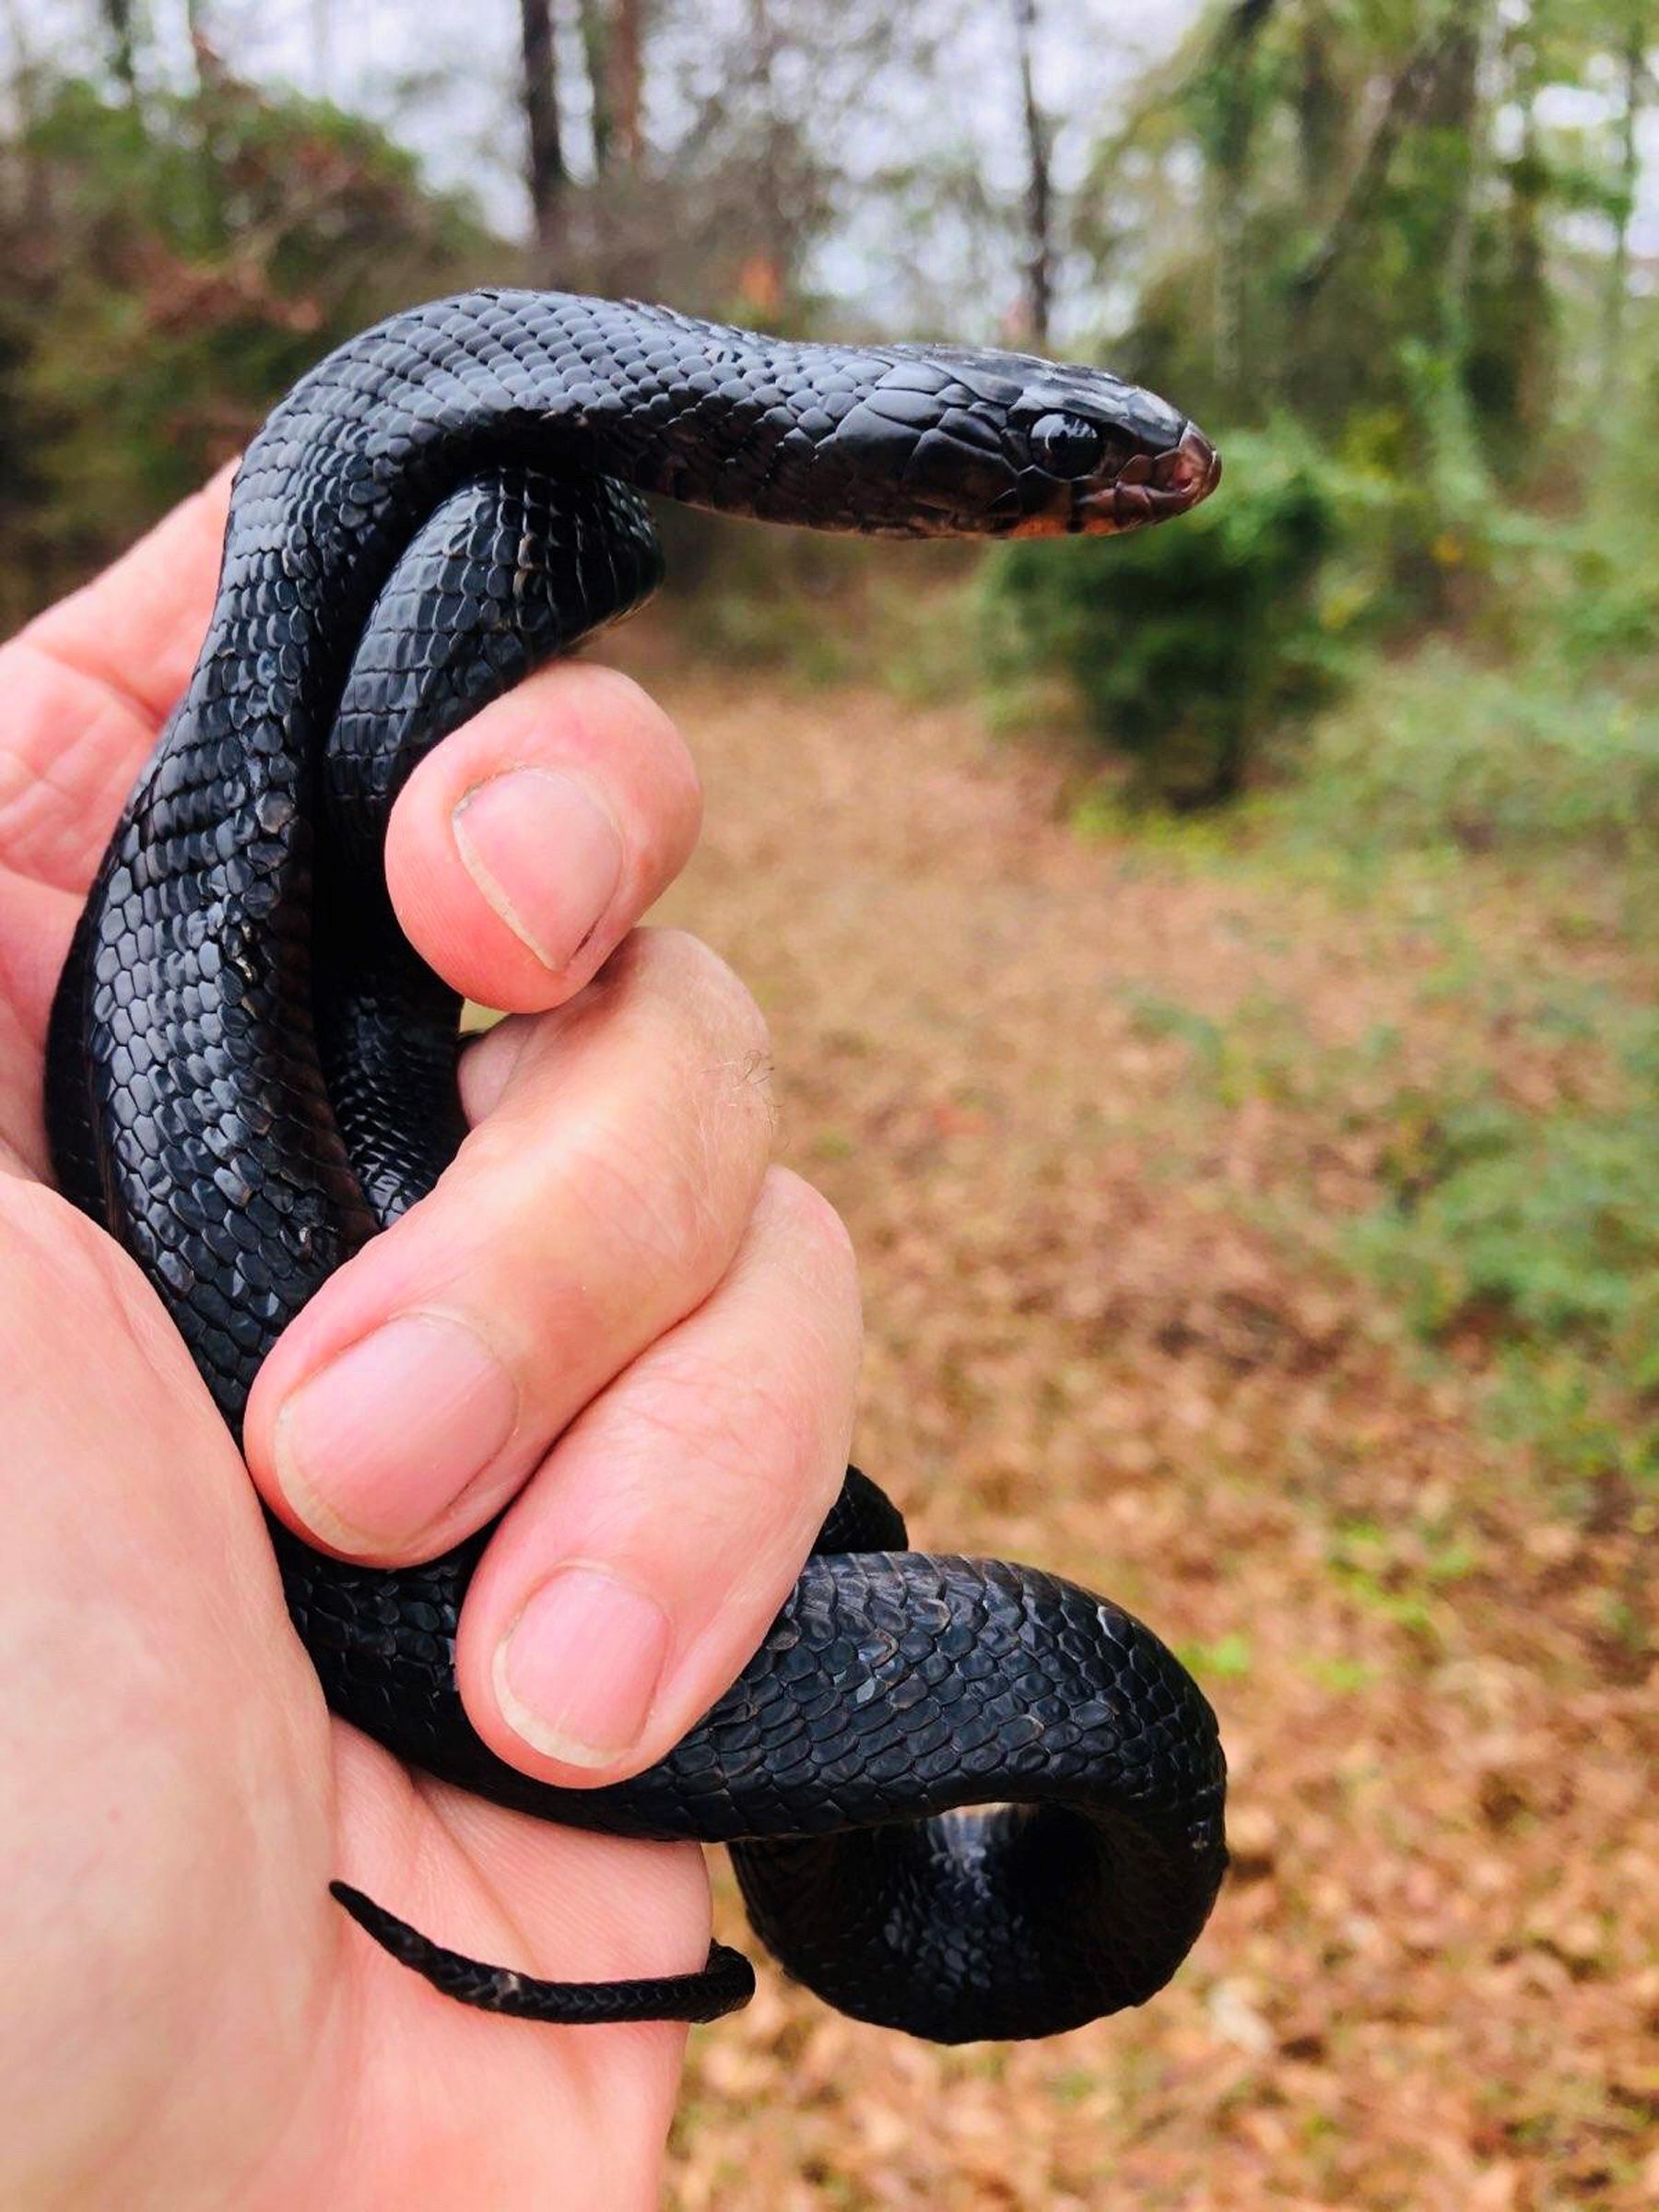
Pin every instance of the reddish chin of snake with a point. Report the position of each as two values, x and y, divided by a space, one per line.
1151 488
1148 488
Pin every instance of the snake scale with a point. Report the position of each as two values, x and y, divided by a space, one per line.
965 1799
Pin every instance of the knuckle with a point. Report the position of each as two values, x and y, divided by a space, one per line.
821 1235
643 1112
755 1429
667 1220
695 973
725 1046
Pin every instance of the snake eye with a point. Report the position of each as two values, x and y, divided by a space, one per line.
1065 445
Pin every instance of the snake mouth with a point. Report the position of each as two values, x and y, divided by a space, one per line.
1152 487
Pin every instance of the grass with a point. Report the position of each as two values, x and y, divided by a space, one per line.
1505 828
1438 759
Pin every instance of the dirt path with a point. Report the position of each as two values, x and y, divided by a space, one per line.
1425 1986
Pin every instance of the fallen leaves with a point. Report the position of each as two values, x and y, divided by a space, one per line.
1430 1981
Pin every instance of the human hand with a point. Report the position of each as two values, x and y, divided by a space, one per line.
611 1318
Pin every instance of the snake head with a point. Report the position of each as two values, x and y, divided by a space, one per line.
1014 446
1103 457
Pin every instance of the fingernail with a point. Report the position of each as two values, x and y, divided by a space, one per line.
545 854
376 1444
577 1671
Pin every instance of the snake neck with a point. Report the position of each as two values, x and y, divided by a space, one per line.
390 425
198 928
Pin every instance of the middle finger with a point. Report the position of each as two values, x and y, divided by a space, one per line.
599 1200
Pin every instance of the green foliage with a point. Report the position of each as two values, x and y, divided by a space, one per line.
1608 603
748 598
1191 646
1289 208
1385 222
1535 1232
1399 1574
175 267
1443 754
1228 1659
1535 1242
1612 609
1517 1235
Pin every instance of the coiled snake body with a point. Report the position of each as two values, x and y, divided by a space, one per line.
438 507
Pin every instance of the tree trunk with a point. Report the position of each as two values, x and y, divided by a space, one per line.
1038 199
1318 111
1406 97
118 22
1619 261
1235 94
545 174
1453 114
596 58
769 276
612 42
1528 282
23 176
626 70
323 46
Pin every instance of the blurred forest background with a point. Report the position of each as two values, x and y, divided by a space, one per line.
1232 1038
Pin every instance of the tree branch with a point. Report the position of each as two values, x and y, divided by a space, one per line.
1406 97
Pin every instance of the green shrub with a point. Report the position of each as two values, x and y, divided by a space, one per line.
1526 763
1613 610
1539 1238
181 265
1610 603
1190 645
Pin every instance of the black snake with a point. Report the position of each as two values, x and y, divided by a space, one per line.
437 508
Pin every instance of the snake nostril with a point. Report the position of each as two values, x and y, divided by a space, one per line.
1189 470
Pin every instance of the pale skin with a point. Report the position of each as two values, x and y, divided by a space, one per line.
613 1318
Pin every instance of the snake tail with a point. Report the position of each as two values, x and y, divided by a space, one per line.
725 1984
